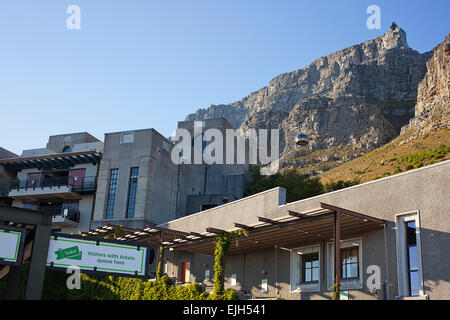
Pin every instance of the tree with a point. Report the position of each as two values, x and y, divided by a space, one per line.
298 186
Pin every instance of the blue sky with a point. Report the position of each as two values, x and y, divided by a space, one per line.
147 64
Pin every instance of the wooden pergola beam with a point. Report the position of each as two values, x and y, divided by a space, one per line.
242 226
267 220
297 214
352 213
215 230
197 234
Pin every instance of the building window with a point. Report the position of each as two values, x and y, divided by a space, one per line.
351 256
412 259
166 146
310 267
409 262
112 191
67 149
132 190
305 269
127 137
350 263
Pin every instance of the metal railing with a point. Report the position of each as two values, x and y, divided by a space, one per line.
66 212
80 184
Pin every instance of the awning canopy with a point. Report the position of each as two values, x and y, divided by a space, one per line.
292 230
155 236
51 161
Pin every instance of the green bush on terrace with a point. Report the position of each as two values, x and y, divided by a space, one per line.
97 287
121 288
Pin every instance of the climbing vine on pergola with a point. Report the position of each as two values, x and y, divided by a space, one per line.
222 242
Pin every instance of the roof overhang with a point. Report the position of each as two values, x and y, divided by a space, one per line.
51 161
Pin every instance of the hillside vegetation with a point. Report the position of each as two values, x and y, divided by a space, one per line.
404 153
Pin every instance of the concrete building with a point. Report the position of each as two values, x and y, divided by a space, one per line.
204 186
60 178
137 181
393 232
139 185
6 177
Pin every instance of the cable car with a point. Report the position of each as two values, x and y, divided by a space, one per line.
301 139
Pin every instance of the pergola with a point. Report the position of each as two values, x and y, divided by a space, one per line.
296 228
51 161
152 235
325 223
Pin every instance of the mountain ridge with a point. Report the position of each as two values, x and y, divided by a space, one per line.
357 98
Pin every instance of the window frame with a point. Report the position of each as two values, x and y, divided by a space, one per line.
346 264
346 283
296 269
110 206
124 134
403 274
304 268
132 193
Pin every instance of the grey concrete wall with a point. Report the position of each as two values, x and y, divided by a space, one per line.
58 142
157 180
195 202
424 190
200 179
264 204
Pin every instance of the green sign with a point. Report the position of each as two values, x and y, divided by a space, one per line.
11 245
73 253
343 295
98 255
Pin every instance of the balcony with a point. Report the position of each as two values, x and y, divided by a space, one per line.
63 187
62 216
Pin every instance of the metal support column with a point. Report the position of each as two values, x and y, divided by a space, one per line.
36 274
337 248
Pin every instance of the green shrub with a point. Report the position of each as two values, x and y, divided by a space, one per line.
417 159
298 186
397 170
418 165
333 186
97 287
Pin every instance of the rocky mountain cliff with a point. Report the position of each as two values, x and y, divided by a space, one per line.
355 99
433 101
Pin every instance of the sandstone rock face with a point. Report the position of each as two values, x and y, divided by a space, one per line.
360 96
433 101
